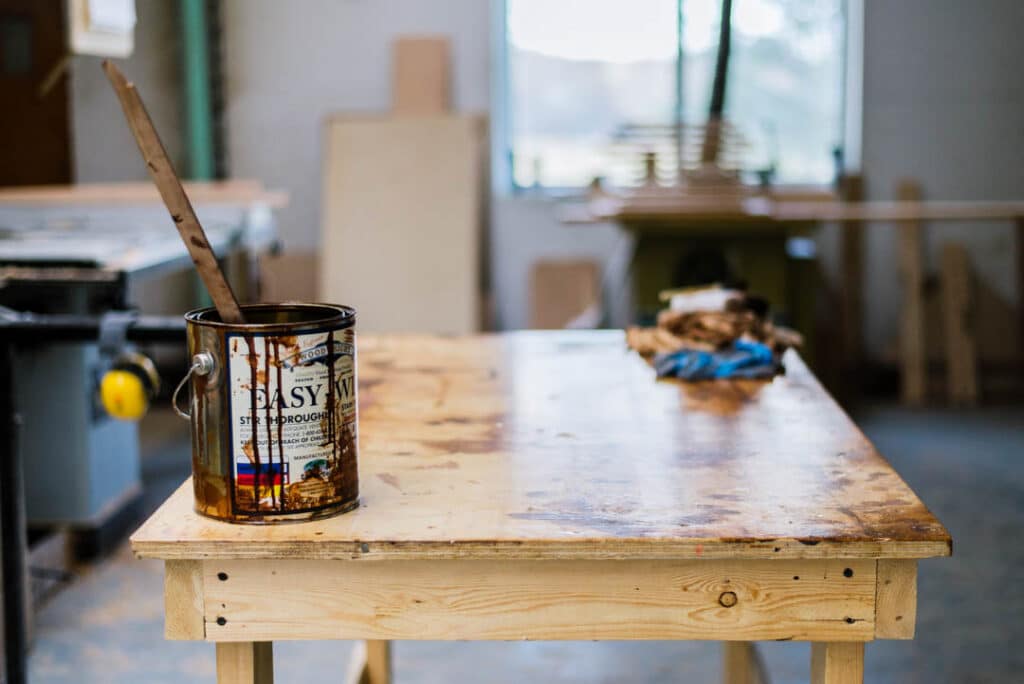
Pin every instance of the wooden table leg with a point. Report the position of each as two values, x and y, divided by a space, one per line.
371 663
837 663
739 665
246 662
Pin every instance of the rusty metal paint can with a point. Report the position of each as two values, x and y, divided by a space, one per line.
274 413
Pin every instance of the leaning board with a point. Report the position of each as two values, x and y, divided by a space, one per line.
402 227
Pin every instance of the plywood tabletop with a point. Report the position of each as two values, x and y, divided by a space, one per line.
563 445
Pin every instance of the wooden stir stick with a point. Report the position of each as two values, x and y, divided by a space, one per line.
174 197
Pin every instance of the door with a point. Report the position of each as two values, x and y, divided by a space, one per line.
34 130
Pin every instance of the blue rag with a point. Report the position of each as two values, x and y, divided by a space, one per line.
744 359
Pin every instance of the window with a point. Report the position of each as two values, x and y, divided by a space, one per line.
593 84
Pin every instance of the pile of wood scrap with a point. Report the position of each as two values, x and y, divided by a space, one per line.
739 316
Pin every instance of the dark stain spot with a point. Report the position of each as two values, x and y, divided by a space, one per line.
178 218
850 620
446 465
390 479
776 549
898 618
796 577
809 542
223 576
848 572
222 621
465 446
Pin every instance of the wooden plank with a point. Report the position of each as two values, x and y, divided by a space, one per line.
232 192
851 259
896 599
669 209
378 662
958 328
402 221
913 359
563 292
421 80
837 663
245 662
1019 234
739 663
498 600
183 600
562 445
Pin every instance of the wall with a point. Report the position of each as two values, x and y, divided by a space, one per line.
290 65
944 104
103 147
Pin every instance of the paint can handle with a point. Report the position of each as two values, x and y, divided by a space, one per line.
202 364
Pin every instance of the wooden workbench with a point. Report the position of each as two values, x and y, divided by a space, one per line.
545 486
665 213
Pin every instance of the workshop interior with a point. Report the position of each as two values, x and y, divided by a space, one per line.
511 340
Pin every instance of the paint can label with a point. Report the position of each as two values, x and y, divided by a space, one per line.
293 421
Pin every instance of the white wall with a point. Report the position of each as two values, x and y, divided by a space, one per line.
102 146
944 104
289 65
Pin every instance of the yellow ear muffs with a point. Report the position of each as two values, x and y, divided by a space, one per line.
127 389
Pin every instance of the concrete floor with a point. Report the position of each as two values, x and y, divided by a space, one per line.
108 626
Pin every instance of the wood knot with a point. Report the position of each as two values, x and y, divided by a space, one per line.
728 599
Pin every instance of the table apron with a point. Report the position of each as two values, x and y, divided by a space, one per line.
804 600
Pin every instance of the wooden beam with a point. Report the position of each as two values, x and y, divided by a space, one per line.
896 599
183 600
851 249
837 663
831 600
370 663
378 662
245 662
1019 229
913 359
851 291
958 329
739 663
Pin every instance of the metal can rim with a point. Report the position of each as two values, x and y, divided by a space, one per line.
336 316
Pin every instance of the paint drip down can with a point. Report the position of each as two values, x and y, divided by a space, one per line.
274 413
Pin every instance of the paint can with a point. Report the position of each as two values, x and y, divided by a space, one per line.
273 411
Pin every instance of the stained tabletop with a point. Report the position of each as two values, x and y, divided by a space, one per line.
564 445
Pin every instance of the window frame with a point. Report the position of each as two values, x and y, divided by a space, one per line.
850 124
